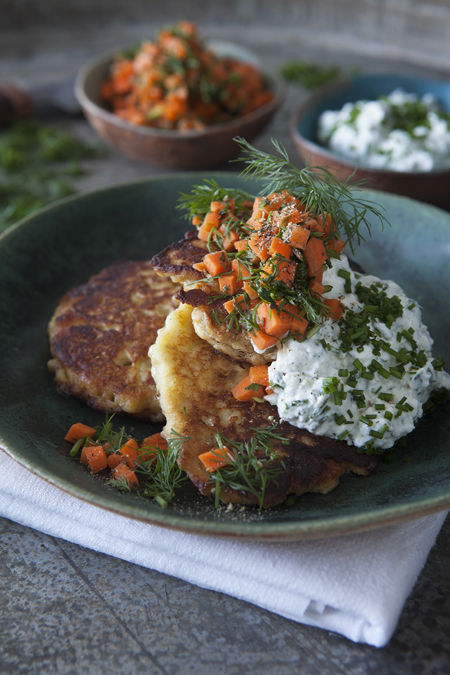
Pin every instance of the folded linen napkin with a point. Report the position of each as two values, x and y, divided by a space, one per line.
355 585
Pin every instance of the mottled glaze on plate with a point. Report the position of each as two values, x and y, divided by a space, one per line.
60 247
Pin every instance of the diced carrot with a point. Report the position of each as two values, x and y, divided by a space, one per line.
123 471
216 459
114 460
228 283
96 458
315 254
129 451
298 237
245 390
285 270
149 445
79 430
337 245
335 308
259 212
216 206
326 227
229 305
229 239
241 270
210 221
318 276
252 294
196 221
296 217
276 200
259 375
241 244
279 246
262 341
258 246
273 321
200 267
316 287
155 440
237 301
216 262
298 326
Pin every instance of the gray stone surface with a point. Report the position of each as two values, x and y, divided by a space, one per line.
69 610
65 609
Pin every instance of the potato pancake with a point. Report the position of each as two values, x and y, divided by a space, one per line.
175 262
100 334
194 384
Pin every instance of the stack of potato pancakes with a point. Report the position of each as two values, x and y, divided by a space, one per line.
194 317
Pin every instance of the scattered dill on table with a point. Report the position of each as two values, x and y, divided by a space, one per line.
38 165
309 75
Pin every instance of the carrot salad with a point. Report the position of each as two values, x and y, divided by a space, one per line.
103 449
177 83
267 269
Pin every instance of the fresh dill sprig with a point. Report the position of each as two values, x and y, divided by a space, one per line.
316 187
197 202
256 463
107 435
309 75
161 474
39 163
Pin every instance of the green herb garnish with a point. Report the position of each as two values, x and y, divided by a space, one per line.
37 166
317 188
309 75
256 463
197 202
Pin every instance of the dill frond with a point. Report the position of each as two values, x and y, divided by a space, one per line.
197 202
316 187
256 463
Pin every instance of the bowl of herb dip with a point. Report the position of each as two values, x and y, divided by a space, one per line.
391 131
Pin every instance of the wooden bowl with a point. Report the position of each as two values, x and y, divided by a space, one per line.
206 148
430 186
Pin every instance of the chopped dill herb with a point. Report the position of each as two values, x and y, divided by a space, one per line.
318 189
197 202
308 75
37 166
256 463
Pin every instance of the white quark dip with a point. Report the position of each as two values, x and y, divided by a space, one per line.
401 132
373 393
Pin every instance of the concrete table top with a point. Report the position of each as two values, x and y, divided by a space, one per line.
65 609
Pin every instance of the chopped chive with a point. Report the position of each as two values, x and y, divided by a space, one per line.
76 447
386 397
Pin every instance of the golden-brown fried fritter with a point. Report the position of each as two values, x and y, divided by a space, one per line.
176 262
194 383
100 334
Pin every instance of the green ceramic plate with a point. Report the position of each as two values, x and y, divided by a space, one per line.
62 246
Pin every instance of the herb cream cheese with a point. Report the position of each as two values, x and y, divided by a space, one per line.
401 132
363 379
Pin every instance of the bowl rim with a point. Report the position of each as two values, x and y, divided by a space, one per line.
308 146
88 105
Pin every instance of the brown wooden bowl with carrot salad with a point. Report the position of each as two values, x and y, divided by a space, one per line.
177 102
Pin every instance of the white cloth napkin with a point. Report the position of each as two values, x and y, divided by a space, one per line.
355 585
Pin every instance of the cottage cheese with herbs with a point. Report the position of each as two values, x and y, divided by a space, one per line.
401 132
363 379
